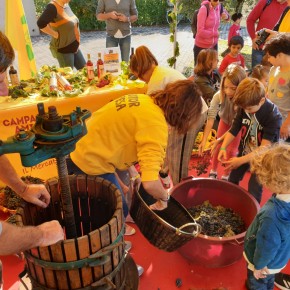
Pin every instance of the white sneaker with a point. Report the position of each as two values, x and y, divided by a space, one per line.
129 231
213 174
140 270
225 177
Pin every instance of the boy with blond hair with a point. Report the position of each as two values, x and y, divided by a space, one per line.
259 121
267 243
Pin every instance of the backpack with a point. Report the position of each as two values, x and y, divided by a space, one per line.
194 17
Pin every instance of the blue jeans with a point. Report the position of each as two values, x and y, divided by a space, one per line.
261 284
74 169
72 60
254 187
124 43
257 56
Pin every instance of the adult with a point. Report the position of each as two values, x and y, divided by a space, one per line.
58 21
16 239
266 13
145 66
134 128
118 14
208 22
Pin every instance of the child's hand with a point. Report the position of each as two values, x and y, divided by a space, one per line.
213 145
233 163
260 274
285 130
201 147
222 156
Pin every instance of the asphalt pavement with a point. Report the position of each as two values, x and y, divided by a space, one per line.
156 38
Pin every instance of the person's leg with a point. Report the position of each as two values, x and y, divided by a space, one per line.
125 46
111 41
257 56
254 284
65 59
255 188
237 174
79 60
196 51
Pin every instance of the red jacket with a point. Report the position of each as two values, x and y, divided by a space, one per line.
267 18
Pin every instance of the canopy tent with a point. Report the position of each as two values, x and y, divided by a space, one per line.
16 29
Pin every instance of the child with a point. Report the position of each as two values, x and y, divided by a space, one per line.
222 104
278 51
261 73
259 121
267 243
235 45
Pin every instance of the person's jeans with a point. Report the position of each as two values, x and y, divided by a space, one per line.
257 56
72 60
261 284
124 43
72 168
254 187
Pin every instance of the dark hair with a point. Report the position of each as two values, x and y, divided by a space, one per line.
181 103
6 53
277 44
236 40
205 59
259 71
236 16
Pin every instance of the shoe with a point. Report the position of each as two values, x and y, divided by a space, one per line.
140 270
282 281
128 246
129 231
166 181
225 177
213 174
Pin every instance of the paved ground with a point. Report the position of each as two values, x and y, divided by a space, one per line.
156 38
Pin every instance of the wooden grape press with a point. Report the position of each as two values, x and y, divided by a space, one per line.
88 207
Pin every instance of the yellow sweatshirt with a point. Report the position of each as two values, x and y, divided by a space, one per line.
125 131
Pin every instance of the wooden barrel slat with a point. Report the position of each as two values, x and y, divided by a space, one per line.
55 203
114 233
95 242
105 241
91 182
71 255
83 200
75 201
61 275
48 274
38 270
84 252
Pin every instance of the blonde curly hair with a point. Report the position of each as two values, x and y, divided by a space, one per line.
271 165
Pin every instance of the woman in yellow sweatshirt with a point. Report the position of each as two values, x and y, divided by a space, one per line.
133 129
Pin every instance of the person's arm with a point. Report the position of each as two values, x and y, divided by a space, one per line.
285 128
14 239
34 193
48 16
228 138
111 15
201 19
224 65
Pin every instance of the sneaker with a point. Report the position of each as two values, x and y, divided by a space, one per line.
140 270
166 181
128 246
129 231
282 281
213 174
225 177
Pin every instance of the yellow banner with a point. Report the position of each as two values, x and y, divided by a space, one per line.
16 29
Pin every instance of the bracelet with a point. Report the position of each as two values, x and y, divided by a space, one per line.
223 149
135 177
165 200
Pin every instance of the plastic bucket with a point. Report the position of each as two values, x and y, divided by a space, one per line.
208 251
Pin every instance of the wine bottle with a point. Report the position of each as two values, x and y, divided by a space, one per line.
132 52
63 82
100 66
90 69
13 76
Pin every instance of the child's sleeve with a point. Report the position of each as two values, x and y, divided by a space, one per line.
224 65
231 34
237 123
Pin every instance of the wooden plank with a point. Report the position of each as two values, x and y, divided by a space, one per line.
44 254
71 255
84 252
95 243
75 201
84 203
91 183
105 241
38 269
58 255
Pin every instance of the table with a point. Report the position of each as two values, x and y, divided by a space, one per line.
20 113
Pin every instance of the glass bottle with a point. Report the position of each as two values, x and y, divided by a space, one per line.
90 69
53 82
63 82
13 76
100 65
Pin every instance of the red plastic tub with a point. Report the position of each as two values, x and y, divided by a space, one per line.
208 251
